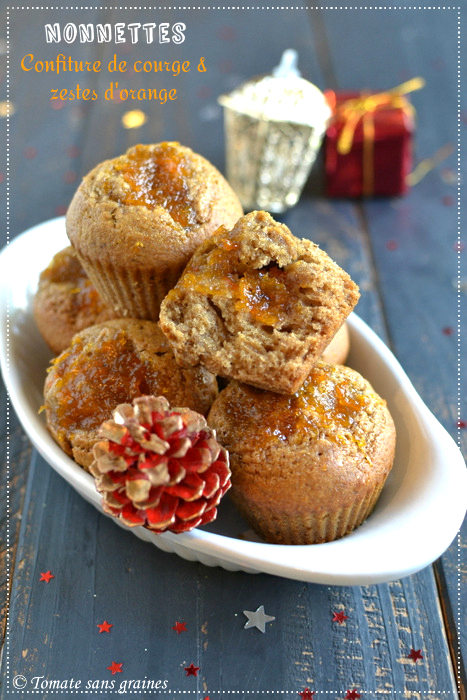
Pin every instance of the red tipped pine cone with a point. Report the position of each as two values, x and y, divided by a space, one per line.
160 467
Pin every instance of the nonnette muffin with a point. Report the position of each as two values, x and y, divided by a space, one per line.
66 301
135 221
110 364
306 468
257 304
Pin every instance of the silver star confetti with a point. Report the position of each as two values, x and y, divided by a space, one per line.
257 619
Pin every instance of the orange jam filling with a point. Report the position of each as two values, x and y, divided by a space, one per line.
322 406
158 177
65 268
91 384
268 295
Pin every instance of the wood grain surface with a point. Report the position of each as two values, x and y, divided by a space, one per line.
405 255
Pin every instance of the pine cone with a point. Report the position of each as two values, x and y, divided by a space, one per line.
160 467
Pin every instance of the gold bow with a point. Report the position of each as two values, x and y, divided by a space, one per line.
363 108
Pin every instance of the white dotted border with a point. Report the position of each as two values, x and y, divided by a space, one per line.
333 7
234 692
7 368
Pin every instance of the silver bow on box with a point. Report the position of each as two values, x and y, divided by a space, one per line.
274 127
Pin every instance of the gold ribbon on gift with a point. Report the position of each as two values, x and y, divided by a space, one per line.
362 108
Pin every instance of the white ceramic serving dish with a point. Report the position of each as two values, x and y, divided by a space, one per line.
417 516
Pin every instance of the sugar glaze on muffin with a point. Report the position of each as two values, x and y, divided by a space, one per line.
110 364
306 468
135 221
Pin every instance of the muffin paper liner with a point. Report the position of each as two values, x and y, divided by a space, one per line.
132 293
277 527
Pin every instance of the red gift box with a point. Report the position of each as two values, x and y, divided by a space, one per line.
368 144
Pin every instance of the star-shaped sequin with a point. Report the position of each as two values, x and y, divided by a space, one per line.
257 619
415 655
179 627
307 694
104 627
352 695
115 668
192 670
339 617
47 576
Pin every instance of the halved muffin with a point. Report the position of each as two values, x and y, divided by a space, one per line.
257 304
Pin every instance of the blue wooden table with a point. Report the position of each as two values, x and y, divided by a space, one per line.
118 613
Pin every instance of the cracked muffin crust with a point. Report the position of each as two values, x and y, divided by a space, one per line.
110 364
306 468
66 301
135 221
257 304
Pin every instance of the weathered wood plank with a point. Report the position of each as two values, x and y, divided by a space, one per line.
15 454
414 239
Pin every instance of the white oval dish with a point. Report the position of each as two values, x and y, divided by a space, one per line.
417 516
